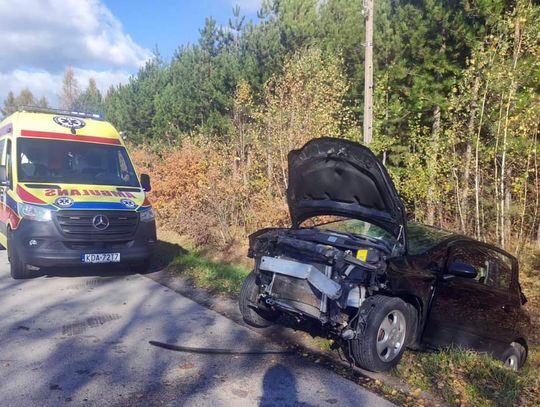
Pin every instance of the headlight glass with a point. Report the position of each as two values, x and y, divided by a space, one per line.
34 212
147 215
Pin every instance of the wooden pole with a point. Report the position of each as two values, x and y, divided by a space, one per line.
368 72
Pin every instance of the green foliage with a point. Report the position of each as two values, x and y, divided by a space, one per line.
214 276
89 101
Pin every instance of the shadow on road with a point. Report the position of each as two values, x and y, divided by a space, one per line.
279 388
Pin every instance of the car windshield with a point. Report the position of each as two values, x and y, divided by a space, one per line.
358 227
74 162
422 237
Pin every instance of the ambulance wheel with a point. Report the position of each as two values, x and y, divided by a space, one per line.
18 268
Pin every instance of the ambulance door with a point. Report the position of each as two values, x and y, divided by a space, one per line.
4 213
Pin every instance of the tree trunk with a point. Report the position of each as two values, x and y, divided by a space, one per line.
431 199
473 107
477 166
506 197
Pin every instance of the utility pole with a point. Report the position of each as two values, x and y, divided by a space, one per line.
368 72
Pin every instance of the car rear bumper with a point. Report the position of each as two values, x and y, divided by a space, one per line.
42 244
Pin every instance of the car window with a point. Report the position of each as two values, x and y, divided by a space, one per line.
358 227
422 237
492 270
500 270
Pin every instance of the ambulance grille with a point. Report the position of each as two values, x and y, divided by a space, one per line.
80 224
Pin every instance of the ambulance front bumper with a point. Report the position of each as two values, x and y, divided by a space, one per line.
42 244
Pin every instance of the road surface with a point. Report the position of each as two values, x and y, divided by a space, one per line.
81 338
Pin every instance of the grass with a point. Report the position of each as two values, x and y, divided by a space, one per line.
175 254
214 276
466 378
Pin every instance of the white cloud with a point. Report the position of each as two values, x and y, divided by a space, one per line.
247 5
54 33
43 83
40 38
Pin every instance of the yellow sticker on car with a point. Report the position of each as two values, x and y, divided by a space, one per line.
362 254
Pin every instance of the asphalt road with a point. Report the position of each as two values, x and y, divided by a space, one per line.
81 338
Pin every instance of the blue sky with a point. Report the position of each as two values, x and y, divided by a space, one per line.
170 23
107 40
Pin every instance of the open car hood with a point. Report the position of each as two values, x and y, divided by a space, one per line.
330 176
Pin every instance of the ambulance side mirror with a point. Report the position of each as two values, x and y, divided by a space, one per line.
4 181
145 182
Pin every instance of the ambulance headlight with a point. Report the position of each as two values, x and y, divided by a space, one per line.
34 212
148 215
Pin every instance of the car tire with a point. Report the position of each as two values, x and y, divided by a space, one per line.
247 299
382 332
18 268
515 355
141 267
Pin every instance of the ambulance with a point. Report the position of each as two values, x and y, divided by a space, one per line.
70 195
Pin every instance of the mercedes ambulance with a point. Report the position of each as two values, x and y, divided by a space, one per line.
69 194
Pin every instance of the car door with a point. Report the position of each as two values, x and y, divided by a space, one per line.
472 312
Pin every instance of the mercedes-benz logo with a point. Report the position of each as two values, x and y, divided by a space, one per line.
100 222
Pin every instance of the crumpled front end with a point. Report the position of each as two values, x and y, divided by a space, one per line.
317 274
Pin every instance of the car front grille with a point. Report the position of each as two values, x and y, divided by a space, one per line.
81 224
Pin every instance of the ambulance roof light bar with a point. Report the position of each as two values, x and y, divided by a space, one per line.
37 109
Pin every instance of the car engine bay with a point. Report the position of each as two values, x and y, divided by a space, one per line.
325 275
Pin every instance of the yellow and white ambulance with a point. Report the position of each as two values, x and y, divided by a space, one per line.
69 194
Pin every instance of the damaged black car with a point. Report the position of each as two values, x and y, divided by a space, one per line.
376 283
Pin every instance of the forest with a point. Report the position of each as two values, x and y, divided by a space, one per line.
456 112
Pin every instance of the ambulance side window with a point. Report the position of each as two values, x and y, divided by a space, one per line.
8 164
2 145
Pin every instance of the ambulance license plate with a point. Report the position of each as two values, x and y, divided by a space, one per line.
101 258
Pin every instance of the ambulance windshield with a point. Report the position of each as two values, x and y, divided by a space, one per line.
74 162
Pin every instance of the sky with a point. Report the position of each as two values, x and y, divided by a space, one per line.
105 39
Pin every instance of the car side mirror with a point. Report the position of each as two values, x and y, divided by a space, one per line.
145 182
459 269
4 181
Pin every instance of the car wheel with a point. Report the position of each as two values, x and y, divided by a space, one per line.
18 268
248 301
515 356
382 332
141 267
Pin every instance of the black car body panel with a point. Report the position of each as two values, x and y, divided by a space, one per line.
337 177
328 272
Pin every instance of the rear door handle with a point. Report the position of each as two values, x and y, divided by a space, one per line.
507 308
